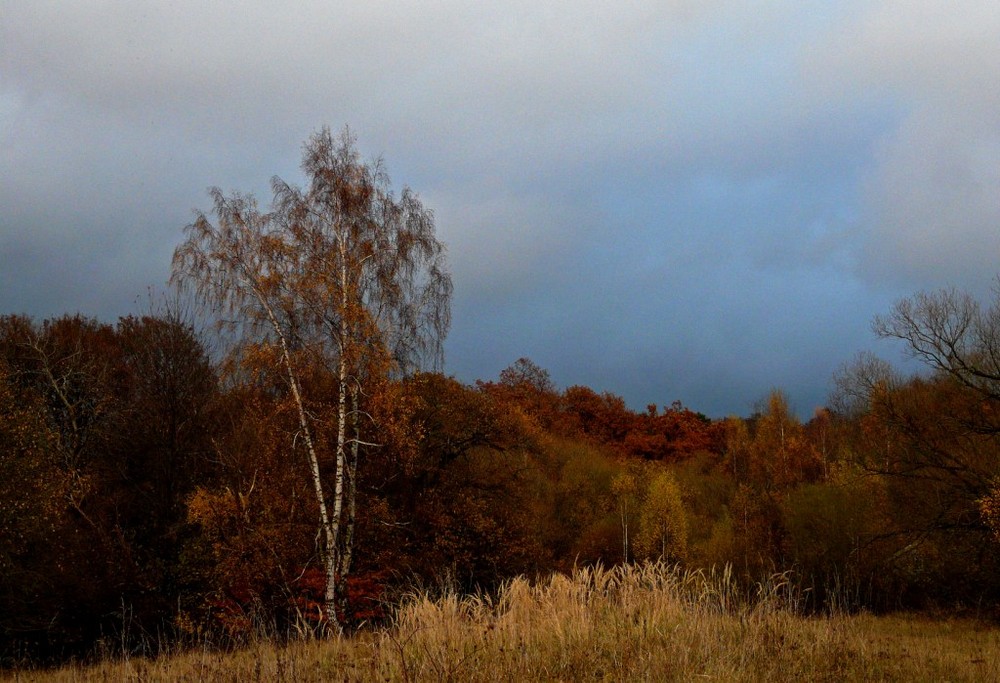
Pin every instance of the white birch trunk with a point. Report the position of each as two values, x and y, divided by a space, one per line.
329 531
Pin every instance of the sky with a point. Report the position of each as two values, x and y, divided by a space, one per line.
694 200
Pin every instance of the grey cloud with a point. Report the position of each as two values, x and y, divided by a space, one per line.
661 199
933 202
930 214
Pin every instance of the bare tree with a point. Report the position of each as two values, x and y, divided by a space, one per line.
949 331
341 273
934 436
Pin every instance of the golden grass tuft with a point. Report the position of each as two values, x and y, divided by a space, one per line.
642 622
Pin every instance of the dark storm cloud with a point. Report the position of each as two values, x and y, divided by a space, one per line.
667 200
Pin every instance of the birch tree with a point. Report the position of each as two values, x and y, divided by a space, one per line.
663 527
341 275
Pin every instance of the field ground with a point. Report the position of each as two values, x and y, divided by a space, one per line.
646 622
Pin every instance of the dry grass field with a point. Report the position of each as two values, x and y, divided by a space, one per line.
640 623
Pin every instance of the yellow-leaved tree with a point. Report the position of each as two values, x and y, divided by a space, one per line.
663 528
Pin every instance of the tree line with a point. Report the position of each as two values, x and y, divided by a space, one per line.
319 463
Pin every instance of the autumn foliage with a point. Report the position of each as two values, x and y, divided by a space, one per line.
312 472
177 484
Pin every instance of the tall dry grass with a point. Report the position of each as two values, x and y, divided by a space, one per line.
644 622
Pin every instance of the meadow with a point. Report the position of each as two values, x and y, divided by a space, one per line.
644 622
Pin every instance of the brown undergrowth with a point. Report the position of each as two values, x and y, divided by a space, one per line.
644 622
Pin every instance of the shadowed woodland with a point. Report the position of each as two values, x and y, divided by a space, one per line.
304 464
